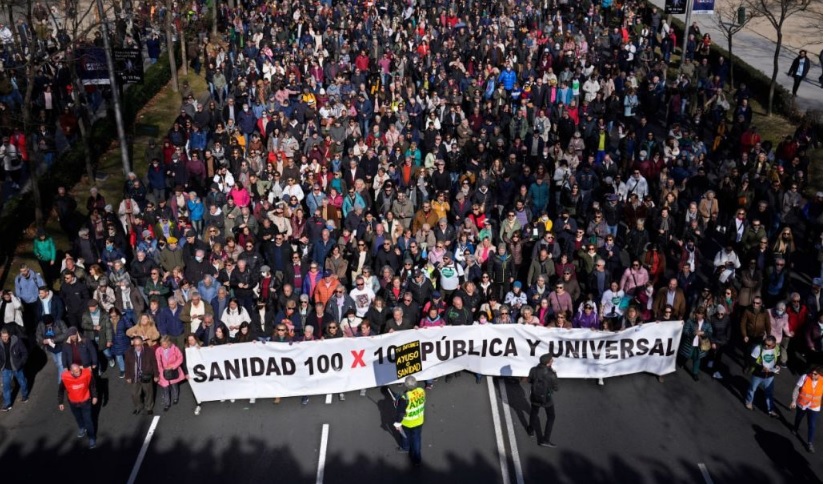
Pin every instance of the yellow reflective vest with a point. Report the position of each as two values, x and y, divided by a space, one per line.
414 416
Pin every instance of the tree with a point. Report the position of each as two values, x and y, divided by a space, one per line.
170 45
777 12
727 21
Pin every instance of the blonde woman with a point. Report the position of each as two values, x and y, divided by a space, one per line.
146 329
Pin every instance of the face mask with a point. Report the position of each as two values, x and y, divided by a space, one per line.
780 313
199 259
109 247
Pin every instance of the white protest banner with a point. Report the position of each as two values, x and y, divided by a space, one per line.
265 370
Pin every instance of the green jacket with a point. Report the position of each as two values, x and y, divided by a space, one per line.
169 259
104 335
160 287
44 250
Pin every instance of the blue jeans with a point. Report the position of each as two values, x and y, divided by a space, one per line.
83 416
812 418
21 380
57 358
121 363
411 442
767 386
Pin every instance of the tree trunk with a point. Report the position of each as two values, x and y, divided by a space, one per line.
34 150
12 26
170 47
730 61
214 19
82 119
183 60
775 73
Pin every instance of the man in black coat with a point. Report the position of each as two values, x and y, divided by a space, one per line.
75 294
141 373
543 383
799 69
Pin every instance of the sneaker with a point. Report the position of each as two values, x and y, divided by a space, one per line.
6 409
749 406
810 447
548 444
111 363
122 375
81 433
717 375
661 379
252 401
92 443
232 400
198 410
363 392
26 399
304 400
428 386
341 397
601 381
773 414
402 450
710 364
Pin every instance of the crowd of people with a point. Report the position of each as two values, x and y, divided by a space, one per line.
365 168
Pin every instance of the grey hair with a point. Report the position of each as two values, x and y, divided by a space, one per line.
410 382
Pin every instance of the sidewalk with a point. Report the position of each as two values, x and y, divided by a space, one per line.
754 43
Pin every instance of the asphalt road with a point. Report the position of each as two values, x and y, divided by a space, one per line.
631 430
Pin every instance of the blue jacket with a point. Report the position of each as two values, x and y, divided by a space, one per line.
540 195
321 250
507 78
121 342
169 322
197 140
56 308
195 210
246 121
26 287
156 178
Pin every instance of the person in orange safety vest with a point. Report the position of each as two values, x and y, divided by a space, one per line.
807 400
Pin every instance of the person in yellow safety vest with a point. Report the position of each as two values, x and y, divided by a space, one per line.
807 400
409 419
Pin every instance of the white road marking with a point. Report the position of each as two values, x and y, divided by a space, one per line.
705 474
322 454
508 420
329 398
502 453
143 450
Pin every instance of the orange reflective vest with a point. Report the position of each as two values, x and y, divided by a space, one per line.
810 396
77 388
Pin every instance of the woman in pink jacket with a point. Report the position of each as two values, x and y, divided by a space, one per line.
170 359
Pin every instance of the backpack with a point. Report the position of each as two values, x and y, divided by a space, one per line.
541 390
